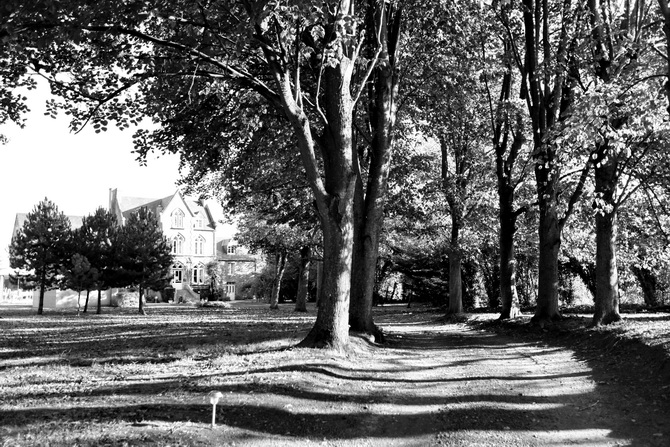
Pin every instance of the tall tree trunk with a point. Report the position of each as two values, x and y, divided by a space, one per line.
607 281
369 213
505 160
648 283
141 309
88 293
508 294
455 282
547 283
280 268
331 328
303 281
40 306
99 309
454 187
606 171
548 94
319 280
665 12
335 200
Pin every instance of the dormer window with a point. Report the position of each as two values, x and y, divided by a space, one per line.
177 219
198 222
232 249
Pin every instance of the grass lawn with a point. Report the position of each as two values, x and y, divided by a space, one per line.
124 379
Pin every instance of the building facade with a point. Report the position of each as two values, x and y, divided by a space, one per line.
188 226
236 268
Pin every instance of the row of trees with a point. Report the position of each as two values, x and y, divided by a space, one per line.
98 255
570 93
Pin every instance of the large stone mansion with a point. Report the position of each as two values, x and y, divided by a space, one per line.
192 232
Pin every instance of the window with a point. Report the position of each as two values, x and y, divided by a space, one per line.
231 268
232 249
177 273
229 288
177 219
178 244
198 274
198 222
199 245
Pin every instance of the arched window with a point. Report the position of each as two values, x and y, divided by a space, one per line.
177 219
178 244
177 273
198 274
199 245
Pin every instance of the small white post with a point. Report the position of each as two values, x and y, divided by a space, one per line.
214 397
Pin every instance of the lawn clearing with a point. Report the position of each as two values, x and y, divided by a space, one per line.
124 379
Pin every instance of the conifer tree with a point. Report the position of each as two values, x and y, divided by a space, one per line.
41 246
144 254
78 275
97 234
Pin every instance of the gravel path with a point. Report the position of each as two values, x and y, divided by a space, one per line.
451 385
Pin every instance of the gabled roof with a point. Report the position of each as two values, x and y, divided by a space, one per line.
129 205
151 204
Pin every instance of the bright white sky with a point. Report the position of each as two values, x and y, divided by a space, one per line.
45 159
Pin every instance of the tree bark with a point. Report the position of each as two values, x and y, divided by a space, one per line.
648 283
548 94
606 176
665 12
331 328
335 199
508 294
141 309
280 268
303 281
88 293
369 211
607 281
40 306
505 160
547 283
319 280
454 186
455 282
99 309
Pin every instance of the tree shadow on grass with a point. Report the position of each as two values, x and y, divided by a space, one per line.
338 424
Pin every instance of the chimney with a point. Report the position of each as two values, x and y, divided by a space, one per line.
112 198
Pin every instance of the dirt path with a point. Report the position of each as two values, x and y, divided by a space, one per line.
432 384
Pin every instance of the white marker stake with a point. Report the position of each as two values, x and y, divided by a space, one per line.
214 398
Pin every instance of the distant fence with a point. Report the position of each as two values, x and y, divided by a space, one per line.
12 296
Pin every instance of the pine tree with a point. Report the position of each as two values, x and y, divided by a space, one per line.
41 246
97 235
78 275
144 254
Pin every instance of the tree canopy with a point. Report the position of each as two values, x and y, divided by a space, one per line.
41 246
431 113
